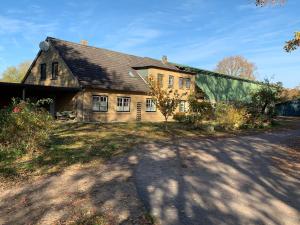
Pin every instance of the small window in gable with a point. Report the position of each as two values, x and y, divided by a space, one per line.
54 70
43 71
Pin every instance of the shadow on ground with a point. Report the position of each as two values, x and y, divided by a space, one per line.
204 181
218 181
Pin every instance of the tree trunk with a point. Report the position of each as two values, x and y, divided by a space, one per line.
264 108
166 122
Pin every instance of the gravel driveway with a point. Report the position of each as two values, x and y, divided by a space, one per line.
218 181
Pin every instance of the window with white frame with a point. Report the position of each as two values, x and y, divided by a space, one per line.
183 106
150 105
171 81
123 104
100 103
187 83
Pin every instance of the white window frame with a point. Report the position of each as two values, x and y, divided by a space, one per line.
150 105
100 103
183 106
171 81
123 104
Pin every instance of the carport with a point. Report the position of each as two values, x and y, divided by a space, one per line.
60 95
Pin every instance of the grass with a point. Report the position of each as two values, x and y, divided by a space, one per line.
82 143
86 143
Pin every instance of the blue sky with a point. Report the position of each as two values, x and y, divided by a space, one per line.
194 32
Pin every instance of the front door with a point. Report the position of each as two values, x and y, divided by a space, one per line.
138 111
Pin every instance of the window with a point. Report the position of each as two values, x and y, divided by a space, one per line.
183 106
43 71
187 83
171 81
54 70
123 104
150 105
160 79
180 82
100 103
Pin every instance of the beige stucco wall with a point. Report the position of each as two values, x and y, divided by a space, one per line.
154 72
112 115
65 77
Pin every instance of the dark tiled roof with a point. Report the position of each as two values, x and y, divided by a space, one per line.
102 68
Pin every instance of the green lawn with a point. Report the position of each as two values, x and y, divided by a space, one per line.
85 143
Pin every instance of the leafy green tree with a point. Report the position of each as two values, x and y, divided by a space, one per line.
264 99
15 74
166 100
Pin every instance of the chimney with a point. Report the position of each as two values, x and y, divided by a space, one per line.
164 59
84 42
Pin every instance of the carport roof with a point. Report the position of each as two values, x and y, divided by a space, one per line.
4 86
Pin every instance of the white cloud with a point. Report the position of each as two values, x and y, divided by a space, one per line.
134 35
10 25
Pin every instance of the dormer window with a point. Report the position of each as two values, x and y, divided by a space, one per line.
54 70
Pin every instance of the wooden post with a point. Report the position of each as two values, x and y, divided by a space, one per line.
52 108
23 94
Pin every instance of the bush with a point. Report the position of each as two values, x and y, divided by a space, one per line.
187 118
203 109
264 99
24 126
230 117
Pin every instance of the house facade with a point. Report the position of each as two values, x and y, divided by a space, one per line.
112 86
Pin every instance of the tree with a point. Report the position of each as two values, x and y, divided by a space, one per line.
166 100
15 74
237 66
264 99
265 2
290 94
292 44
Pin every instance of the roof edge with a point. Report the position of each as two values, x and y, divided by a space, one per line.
167 69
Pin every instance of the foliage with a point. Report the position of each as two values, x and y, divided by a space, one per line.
264 99
237 66
293 44
230 117
265 2
191 118
166 100
24 127
290 94
203 109
15 74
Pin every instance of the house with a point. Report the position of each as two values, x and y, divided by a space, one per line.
111 86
